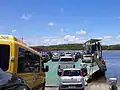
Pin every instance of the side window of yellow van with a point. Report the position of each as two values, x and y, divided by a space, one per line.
28 62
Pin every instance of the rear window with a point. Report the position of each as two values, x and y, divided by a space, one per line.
68 53
4 57
87 56
66 59
71 73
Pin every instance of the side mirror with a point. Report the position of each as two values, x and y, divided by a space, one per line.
46 69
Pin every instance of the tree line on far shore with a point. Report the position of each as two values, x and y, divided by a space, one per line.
73 47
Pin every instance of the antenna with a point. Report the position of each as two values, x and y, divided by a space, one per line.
22 38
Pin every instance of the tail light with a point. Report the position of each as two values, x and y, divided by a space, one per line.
80 72
59 67
92 57
62 73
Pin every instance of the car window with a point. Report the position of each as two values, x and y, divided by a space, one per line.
68 53
4 57
71 73
28 62
66 59
87 56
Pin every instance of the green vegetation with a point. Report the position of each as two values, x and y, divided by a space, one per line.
74 47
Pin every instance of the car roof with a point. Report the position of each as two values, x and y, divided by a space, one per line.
68 53
66 57
55 53
71 69
87 55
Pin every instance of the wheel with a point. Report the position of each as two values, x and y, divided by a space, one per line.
73 66
43 86
60 89
22 88
83 89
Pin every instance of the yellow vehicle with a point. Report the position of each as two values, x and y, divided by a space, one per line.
19 59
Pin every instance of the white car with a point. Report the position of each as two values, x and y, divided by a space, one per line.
65 62
87 58
71 78
68 54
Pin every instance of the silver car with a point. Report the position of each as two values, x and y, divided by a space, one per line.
55 57
71 78
65 62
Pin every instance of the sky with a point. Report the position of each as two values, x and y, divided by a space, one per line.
52 22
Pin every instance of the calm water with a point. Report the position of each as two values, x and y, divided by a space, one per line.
113 64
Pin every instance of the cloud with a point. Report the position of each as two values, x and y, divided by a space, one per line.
70 38
82 32
99 38
35 41
26 16
14 30
118 37
51 24
107 37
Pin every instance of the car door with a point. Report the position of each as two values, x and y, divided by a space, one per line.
24 69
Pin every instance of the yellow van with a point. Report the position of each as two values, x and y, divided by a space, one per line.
19 59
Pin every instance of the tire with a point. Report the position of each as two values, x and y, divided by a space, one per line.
22 88
60 89
73 66
43 86
83 89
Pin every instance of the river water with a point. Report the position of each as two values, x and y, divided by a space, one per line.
113 64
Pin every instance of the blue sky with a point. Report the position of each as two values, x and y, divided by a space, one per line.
47 22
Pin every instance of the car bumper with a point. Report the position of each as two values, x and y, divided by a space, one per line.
71 87
55 58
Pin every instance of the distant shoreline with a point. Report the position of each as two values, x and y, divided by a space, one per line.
74 47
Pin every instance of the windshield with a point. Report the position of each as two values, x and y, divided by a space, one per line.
66 59
71 73
4 57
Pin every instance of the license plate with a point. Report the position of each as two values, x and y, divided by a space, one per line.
72 87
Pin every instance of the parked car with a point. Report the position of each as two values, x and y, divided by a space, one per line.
65 62
86 58
68 54
72 79
45 57
62 54
55 57
12 82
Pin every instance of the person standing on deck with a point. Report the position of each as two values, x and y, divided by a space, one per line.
91 64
